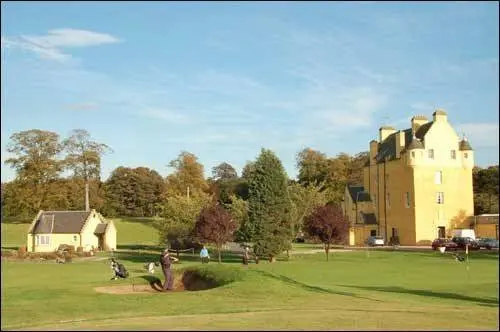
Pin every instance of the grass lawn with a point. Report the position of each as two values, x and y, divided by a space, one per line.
354 290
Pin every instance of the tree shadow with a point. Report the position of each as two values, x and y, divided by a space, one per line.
310 288
490 302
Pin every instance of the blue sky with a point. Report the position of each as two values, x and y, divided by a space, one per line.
223 79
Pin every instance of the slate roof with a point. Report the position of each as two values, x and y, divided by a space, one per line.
359 193
64 222
464 145
387 149
369 218
101 228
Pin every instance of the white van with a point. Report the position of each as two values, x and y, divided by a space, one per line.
464 233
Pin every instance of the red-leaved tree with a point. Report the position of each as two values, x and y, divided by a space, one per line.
328 224
215 225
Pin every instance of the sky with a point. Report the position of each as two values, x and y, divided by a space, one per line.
224 79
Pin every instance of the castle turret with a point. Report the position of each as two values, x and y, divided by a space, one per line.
415 151
466 153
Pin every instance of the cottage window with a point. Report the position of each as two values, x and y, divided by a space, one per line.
440 197
453 154
42 240
75 238
431 153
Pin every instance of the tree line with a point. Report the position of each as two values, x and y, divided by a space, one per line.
262 206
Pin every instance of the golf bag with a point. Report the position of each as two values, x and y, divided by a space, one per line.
119 270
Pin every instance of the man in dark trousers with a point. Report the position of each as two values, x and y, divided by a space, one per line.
166 262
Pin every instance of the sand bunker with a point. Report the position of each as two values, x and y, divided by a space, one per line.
188 281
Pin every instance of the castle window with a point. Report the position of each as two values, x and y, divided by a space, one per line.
407 199
440 197
431 153
466 155
413 154
453 154
438 177
388 200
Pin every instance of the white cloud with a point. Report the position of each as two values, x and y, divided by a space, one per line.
49 46
480 134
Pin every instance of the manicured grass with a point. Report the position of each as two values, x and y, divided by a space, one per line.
354 290
14 235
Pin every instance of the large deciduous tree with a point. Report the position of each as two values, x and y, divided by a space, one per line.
188 177
133 192
269 206
328 224
215 225
84 158
36 161
177 219
486 189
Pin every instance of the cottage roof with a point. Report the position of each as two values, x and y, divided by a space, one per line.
65 222
101 228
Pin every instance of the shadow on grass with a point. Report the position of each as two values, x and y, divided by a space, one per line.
154 282
310 288
490 302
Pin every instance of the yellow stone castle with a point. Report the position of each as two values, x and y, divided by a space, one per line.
417 184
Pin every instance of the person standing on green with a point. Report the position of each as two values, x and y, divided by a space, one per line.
205 257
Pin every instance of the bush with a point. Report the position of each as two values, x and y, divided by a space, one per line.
21 252
68 258
8 253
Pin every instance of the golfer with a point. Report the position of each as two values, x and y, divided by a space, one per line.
166 262
205 257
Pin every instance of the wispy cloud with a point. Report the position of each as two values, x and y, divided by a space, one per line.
480 135
171 116
51 45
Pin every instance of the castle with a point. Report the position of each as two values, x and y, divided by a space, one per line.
417 185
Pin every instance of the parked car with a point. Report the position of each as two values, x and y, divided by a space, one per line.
375 241
463 241
488 243
443 242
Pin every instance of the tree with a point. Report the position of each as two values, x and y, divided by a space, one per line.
187 177
84 158
486 189
312 166
36 163
269 206
133 192
215 225
328 224
304 200
224 171
178 216
239 212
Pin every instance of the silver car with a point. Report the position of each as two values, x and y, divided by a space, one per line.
375 241
487 243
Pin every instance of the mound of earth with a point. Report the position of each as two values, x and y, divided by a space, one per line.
187 281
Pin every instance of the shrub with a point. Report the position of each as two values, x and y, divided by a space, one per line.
8 253
21 252
79 251
68 258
